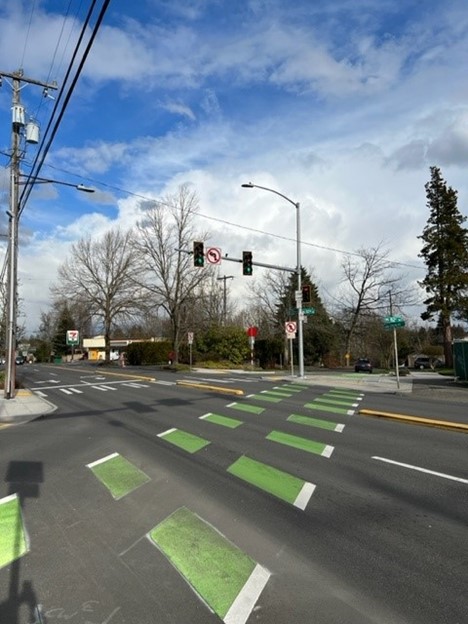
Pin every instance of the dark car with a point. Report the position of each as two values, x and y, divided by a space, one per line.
363 365
422 362
20 359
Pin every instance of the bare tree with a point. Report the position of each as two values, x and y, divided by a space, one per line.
170 277
368 277
103 274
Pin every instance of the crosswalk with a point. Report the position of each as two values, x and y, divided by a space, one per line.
104 385
99 387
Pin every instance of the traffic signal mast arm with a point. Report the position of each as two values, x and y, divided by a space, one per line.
240 261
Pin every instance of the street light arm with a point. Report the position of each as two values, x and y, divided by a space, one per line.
265 188
34 180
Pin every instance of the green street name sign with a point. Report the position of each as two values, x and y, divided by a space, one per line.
307 311
393 321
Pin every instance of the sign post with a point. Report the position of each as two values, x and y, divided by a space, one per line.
291 328
392 322
190 343
251 333
73 339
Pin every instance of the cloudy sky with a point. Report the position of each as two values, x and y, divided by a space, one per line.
341 105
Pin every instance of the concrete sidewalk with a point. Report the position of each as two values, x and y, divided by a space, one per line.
26 406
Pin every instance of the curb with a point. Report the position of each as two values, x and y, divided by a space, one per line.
189 384
416 420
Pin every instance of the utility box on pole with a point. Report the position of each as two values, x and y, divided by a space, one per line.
460 359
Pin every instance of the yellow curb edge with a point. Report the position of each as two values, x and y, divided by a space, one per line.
190 384
428 422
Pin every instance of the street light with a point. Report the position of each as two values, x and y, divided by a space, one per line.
298 268
14 214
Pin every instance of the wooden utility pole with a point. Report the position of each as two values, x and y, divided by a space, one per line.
18 124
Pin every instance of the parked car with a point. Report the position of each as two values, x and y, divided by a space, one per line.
427 362
363 365
422 362
20 359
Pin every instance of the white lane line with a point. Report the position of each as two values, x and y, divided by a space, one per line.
165 433
419 469
101 461
76 391
339 428
327 451
65 391
39 393
304 495
165 383
243 605
100 388
108 387
350 412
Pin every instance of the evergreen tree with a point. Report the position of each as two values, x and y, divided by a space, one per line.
318 333
445 253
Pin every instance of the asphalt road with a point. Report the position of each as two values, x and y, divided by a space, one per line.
377 534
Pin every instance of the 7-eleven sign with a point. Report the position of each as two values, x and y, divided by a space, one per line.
73 337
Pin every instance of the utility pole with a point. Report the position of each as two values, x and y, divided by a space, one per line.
224 278
395 344
18 124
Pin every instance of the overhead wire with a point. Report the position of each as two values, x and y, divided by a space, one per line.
41 155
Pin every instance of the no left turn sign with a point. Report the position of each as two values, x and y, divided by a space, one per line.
290 327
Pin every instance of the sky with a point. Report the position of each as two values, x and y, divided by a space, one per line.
341 106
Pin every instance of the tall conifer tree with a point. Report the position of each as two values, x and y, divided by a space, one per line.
445 252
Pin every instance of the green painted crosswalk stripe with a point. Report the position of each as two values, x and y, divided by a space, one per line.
350 391
184 440
329 408
346 391
315 422
332 401
246 407
224 421
13 540
118 475
281 484
303 444
265 396
216 569
284 394
343 395
289 388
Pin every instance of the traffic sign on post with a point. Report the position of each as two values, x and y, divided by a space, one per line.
73 337
391 322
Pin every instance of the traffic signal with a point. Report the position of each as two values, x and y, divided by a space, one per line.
198 254
247 268
306 294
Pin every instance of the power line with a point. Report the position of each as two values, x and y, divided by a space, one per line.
225 222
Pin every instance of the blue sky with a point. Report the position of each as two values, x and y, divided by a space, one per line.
340 105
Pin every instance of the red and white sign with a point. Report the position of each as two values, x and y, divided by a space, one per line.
73 336
290 327
252 331
213 255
